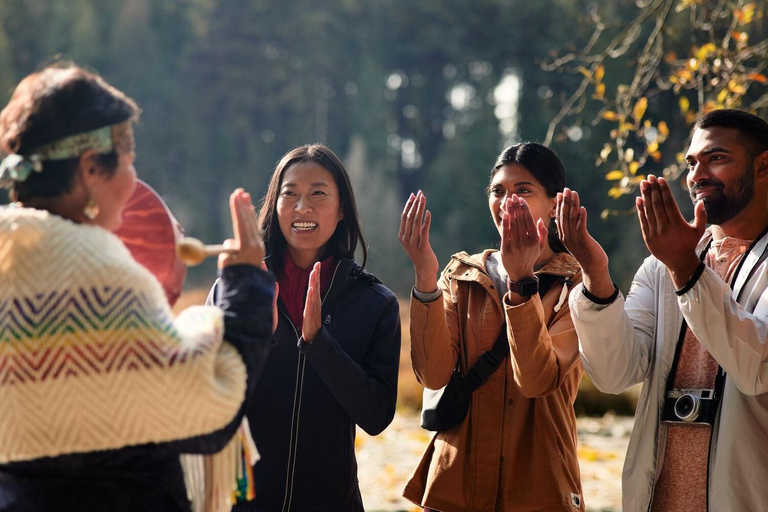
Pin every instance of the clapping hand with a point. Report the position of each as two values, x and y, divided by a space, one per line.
667 234
414 237
248 242
522 238
571 220
313 306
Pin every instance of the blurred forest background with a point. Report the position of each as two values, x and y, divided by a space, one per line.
411 95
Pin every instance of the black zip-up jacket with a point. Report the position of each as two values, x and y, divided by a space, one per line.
311 396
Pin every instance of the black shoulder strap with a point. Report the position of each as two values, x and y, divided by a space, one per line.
488 362
546 281
491 360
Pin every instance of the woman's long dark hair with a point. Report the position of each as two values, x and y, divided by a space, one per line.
344 240
545 166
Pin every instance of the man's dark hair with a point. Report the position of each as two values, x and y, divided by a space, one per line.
753 129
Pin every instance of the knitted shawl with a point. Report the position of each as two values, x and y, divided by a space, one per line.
91 357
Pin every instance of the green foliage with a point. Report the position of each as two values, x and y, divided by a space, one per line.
403 91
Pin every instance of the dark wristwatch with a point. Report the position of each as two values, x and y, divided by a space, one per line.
524 287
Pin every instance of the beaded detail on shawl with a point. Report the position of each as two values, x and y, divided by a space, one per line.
91 357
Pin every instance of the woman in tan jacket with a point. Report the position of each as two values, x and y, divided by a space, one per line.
516 448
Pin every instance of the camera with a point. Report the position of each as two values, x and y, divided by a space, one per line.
692 406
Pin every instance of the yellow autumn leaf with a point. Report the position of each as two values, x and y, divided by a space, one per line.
722 95
685 75
599 73
639 111
735 87
710 106
652 146
614 175
584 71
740 37
615 192
746 14
599 91
633 167
684 104
705 51
610 115
663 129
656 155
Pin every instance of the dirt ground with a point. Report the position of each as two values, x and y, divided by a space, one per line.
386 461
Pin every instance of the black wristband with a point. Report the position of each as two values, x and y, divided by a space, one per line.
692 281
600 300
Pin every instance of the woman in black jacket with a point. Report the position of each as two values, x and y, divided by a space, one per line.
335 360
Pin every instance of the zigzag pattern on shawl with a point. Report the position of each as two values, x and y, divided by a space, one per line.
85 332
91 357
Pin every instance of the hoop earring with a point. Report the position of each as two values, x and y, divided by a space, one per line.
91 210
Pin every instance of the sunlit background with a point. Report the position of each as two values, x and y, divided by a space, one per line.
412 96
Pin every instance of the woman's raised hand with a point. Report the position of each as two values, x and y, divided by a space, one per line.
522 238
247 241
571 220
414 237
312 306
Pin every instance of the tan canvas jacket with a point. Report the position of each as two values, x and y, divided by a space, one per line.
516 449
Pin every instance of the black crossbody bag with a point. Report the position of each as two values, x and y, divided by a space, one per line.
444 408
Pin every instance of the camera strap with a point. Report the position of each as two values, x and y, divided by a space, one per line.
681 337
721 375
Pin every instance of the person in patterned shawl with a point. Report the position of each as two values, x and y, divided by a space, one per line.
101 388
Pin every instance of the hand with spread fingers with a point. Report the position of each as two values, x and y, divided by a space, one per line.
414 237
248 240
522 239
312 306
571 220
667 234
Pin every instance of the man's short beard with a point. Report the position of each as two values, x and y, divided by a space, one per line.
720 207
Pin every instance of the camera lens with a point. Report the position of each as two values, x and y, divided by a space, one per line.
687 407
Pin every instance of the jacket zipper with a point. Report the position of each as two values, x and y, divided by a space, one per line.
297 396
294 438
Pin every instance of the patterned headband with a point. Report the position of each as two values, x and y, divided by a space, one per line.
118 137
